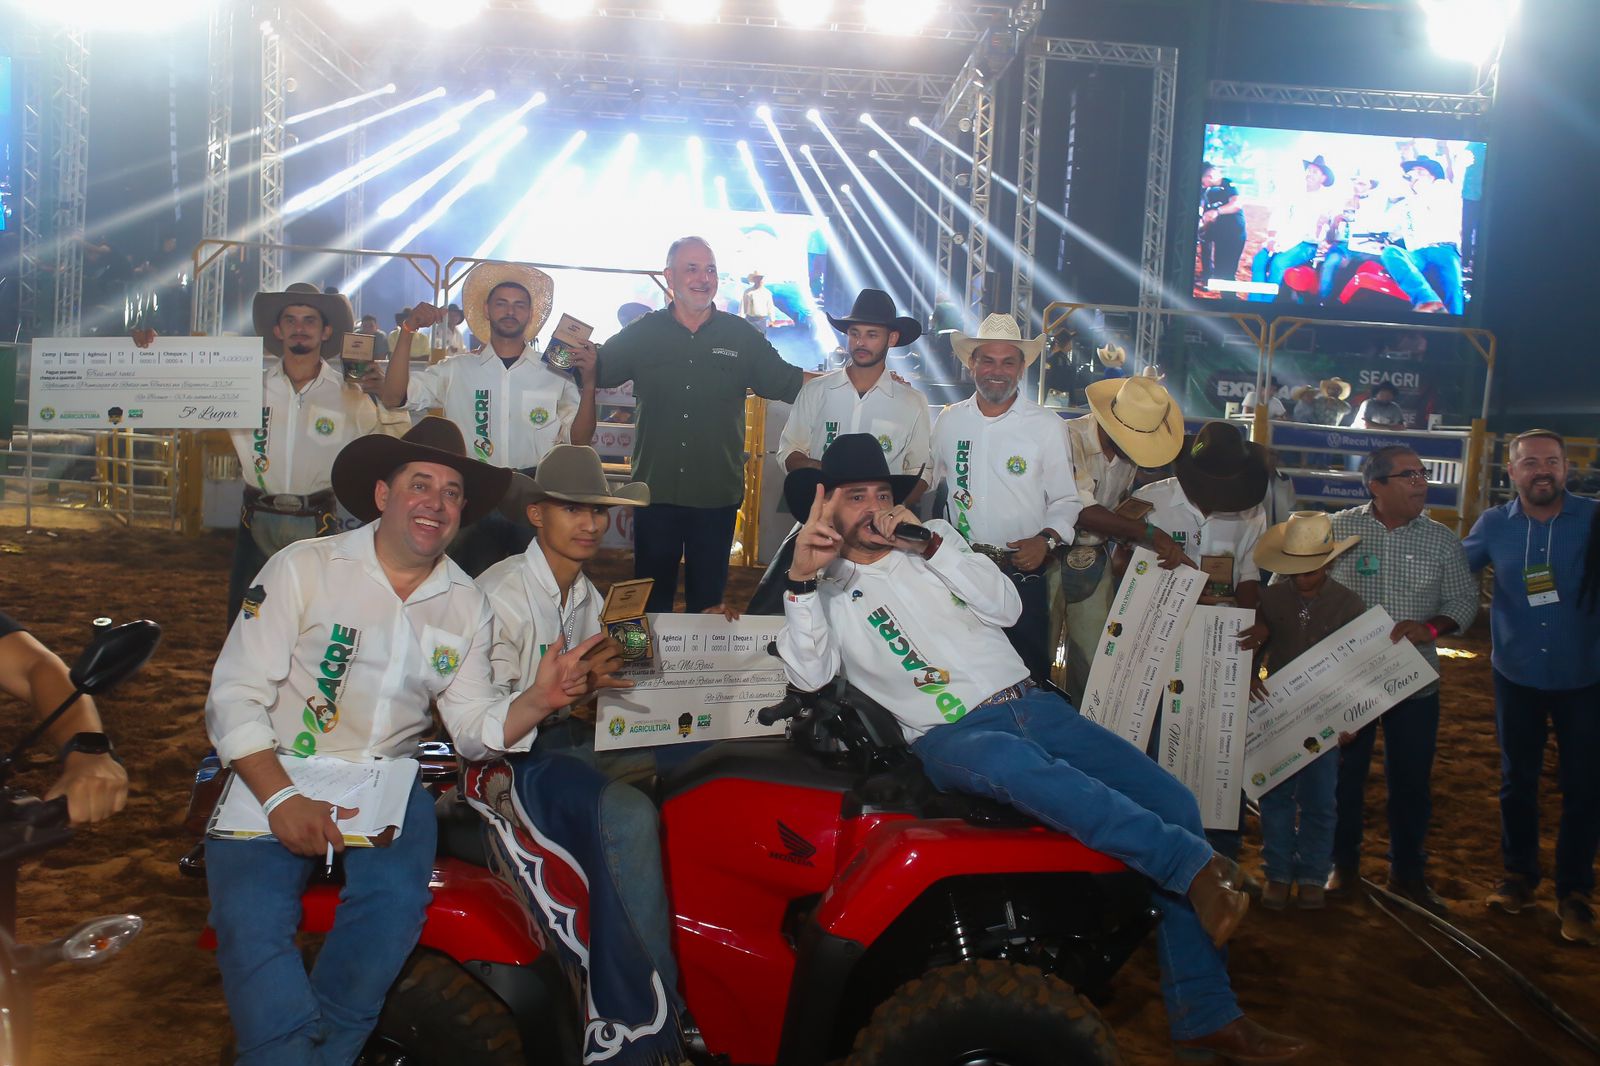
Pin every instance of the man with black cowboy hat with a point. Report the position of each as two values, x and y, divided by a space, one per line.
347 641
509 403
862 397
1430 226
862 596
586 802
1133 423
308 412
1298 229
1008 470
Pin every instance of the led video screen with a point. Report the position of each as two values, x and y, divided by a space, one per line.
1379 226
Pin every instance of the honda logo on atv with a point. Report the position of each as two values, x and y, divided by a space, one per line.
797 849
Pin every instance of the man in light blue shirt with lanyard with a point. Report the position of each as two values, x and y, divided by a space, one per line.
1546 668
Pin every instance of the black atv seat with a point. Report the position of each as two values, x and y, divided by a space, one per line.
460 829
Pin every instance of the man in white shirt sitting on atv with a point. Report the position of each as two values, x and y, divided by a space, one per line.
917 623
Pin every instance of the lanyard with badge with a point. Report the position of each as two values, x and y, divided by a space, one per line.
1540 581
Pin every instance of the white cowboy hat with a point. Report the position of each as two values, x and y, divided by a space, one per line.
1140 416
1302 544
1112 355
997 327
1334 388
486 277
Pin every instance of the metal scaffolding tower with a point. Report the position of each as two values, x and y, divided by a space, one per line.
977 289
355 206
271 173
206 316
30 190
946 255
1026 225
69 108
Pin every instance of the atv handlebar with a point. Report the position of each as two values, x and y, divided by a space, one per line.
787 707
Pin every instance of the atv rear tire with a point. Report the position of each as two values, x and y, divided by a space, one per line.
985 1012
438 1014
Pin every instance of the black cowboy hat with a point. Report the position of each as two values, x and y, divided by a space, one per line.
1423 162
367 460
1221 471
1322 165
874 307
851 458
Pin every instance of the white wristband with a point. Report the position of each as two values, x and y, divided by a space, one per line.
276 799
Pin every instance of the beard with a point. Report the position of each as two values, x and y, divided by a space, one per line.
510 332
997 394
1543 491
300 347
864 358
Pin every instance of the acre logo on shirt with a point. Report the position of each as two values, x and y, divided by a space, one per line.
321 712
258 445
482 445
929 680
962 497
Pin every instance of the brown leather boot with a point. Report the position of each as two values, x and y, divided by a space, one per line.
1241 1040
1217 900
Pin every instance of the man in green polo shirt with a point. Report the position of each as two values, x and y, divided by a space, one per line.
690 365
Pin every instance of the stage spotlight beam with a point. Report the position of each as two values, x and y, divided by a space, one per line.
879 278
400 202
339 105
527 206
351 127
888 248
756 181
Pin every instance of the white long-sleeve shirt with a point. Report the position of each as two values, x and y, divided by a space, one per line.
923 637
508 416
1431 216
1230 534
529 617
301 432
829 406
325 659
1010 476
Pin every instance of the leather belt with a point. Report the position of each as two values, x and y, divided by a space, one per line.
1009 693
289 503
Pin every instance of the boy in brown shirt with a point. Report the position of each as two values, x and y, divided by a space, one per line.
1294 615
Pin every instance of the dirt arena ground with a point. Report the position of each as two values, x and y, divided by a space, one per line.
1345 977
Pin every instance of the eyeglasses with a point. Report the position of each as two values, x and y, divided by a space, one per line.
1413 476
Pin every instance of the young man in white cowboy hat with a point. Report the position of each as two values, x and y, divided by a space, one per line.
862 396
1006 465
755 303
1132 423
584 801
1294 614
308 413
509 404
857 591
691 366
342 647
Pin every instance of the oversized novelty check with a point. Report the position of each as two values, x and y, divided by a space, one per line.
1202 726
1341 683
708 679
177 383
1133 659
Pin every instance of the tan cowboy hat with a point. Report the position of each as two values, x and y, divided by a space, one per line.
334 308
487 277
1112 355
1140 416
1334 388
1300 392
367 460
1302 544
997 327
570 472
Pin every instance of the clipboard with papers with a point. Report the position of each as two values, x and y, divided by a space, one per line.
379 791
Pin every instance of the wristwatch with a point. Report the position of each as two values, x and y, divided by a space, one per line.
1051 543
88 744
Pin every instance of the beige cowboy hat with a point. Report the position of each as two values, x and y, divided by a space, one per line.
572 473
1334 388
487 277
1140 416
334 308
1112 355
997 327
1300 392
1302 544
1153 371
367 460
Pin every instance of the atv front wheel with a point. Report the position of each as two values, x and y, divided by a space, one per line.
438 1014
985 1014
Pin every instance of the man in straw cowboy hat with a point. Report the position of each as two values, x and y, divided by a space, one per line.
308 413
1294 615
862 396
691 366
859 594
1132 423
1114 357
507 401
1331 403
1005 463
347 642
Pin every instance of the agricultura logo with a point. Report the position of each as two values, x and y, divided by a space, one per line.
616 726
1141 567
47 413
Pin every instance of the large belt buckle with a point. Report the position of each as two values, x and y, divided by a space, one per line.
1082 556
284 502
624 618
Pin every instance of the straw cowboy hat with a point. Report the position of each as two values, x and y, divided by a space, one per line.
1221 471
334 308
571 473
1301 392
1140 416
486 277
1302 544
1334 388
1112 355
874 307
997 327
851 458
1153 371
367 460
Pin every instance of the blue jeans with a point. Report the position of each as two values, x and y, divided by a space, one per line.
1302 855
1410 736
1522 717
1269 267
282 1016
1040 756
1409 268
1338 255
663 533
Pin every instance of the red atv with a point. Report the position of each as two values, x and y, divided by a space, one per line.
829 903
